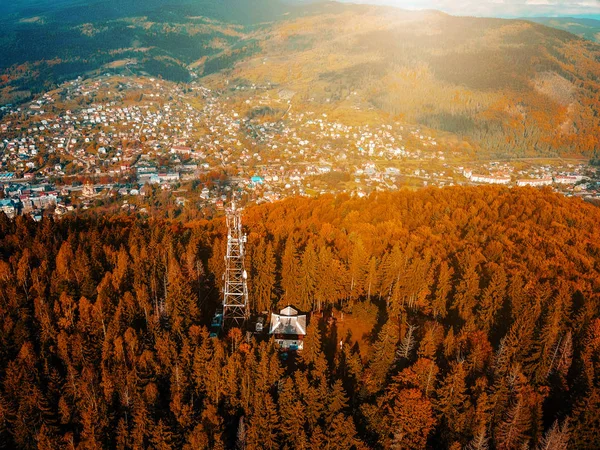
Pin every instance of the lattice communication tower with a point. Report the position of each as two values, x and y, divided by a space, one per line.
235 293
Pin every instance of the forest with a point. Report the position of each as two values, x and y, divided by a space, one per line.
466 318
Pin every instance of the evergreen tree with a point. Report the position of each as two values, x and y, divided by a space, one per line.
512 432
292 414
358 266
263 427
312 343
492 299
341 433
467 288
290 274
384 354
337 401
263 281
556 438
307 278
442 291
453 401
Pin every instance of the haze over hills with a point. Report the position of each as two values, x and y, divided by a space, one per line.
585 28
511 88
508 9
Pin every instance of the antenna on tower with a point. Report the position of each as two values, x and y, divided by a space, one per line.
235 292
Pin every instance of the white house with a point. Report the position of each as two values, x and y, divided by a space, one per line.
289 328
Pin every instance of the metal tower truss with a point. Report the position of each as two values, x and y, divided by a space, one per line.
235 293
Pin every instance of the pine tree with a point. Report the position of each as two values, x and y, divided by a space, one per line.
314 403
542 359
384 354
216 263
331 279
263 281
358 266
512 432
318 441
141 425
63 261
161 437
479 441
4 412
467 288
212 424
311 350
492 299
565 355
181 301
197 439
556 438
586 428
122 271
290 273
453 401
372 280
46 439
307 278
431 341
291 412
391 266
263 428
442 291
337 401
341 433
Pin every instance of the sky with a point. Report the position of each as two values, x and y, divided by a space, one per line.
502 8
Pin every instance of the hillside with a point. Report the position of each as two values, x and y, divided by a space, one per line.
509 88
44 43
470 316
512 88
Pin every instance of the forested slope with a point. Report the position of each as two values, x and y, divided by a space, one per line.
482 302
510 87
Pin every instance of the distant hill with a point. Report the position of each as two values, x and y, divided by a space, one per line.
44 42
585 28
511 87
508 87
81 11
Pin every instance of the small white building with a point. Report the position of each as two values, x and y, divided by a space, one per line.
490 179
288 328
181 149
536 182
566 179
168 177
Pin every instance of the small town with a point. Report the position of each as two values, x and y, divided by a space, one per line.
112 139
